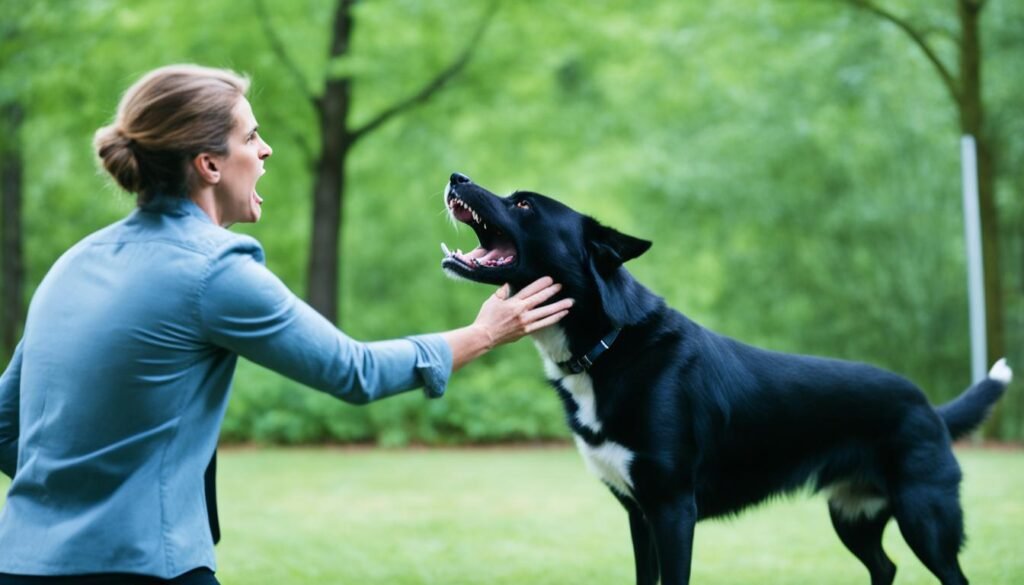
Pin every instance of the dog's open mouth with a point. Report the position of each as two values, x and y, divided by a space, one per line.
496 250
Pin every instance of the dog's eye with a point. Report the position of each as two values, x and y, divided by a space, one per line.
523 204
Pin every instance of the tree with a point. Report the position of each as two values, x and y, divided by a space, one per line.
12 273
13 42
964 85
50 83
338 138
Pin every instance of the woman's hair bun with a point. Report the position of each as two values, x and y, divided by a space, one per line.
118 157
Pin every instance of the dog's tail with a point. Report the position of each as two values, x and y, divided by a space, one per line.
964 413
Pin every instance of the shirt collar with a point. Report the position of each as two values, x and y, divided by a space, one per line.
174 206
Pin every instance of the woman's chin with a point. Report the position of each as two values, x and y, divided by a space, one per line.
256 207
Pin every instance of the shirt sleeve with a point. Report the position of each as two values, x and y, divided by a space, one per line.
10 391
245 308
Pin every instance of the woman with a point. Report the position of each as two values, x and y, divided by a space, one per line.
121 379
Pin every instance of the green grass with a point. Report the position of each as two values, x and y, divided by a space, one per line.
534 516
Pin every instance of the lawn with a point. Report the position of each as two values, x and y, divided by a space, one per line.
534 516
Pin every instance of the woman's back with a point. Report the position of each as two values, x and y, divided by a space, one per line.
115 361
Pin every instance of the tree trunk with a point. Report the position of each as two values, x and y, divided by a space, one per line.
972 122
11 262
336 141
329 185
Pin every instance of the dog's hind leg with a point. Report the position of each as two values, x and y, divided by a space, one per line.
932 524
645 555
926 505
862 535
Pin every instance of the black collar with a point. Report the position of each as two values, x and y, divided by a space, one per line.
579 364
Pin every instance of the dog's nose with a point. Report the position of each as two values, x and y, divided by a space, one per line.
459 179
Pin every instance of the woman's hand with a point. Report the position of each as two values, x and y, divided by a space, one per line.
503 319
506 319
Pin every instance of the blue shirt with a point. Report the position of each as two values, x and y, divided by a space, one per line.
111 407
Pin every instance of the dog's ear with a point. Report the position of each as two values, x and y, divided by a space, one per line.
621 297
611 249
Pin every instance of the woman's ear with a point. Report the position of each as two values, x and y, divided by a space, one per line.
207 168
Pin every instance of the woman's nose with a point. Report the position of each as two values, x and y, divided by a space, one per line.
266 151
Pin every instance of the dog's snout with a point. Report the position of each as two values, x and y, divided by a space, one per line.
459 179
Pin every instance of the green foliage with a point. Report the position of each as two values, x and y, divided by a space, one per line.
490 403
796 165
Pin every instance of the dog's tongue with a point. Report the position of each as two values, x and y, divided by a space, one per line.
489 255
483 256
498 256
476 254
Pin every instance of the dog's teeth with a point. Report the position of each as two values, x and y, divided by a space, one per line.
444 248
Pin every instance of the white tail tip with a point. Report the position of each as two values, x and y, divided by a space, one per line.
1001 372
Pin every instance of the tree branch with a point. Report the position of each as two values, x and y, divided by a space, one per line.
282 55
279 51
435 84
940 32
918 39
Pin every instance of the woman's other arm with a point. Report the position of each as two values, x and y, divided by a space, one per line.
10 388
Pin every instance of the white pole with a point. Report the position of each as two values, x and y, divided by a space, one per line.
975 271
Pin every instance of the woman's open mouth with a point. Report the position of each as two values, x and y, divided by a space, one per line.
256 196
496 249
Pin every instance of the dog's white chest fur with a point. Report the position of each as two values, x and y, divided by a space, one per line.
608 460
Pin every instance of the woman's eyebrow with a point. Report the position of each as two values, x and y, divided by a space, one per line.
253 131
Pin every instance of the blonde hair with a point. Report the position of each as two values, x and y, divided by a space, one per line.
163 121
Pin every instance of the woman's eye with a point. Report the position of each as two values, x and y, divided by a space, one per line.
523 204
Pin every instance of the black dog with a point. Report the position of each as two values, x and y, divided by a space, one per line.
684 424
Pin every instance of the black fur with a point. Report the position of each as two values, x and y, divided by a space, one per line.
717 425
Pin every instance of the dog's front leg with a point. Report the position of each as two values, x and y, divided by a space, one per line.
644 553
672 521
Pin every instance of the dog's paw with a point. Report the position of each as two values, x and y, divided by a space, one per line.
1001 372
